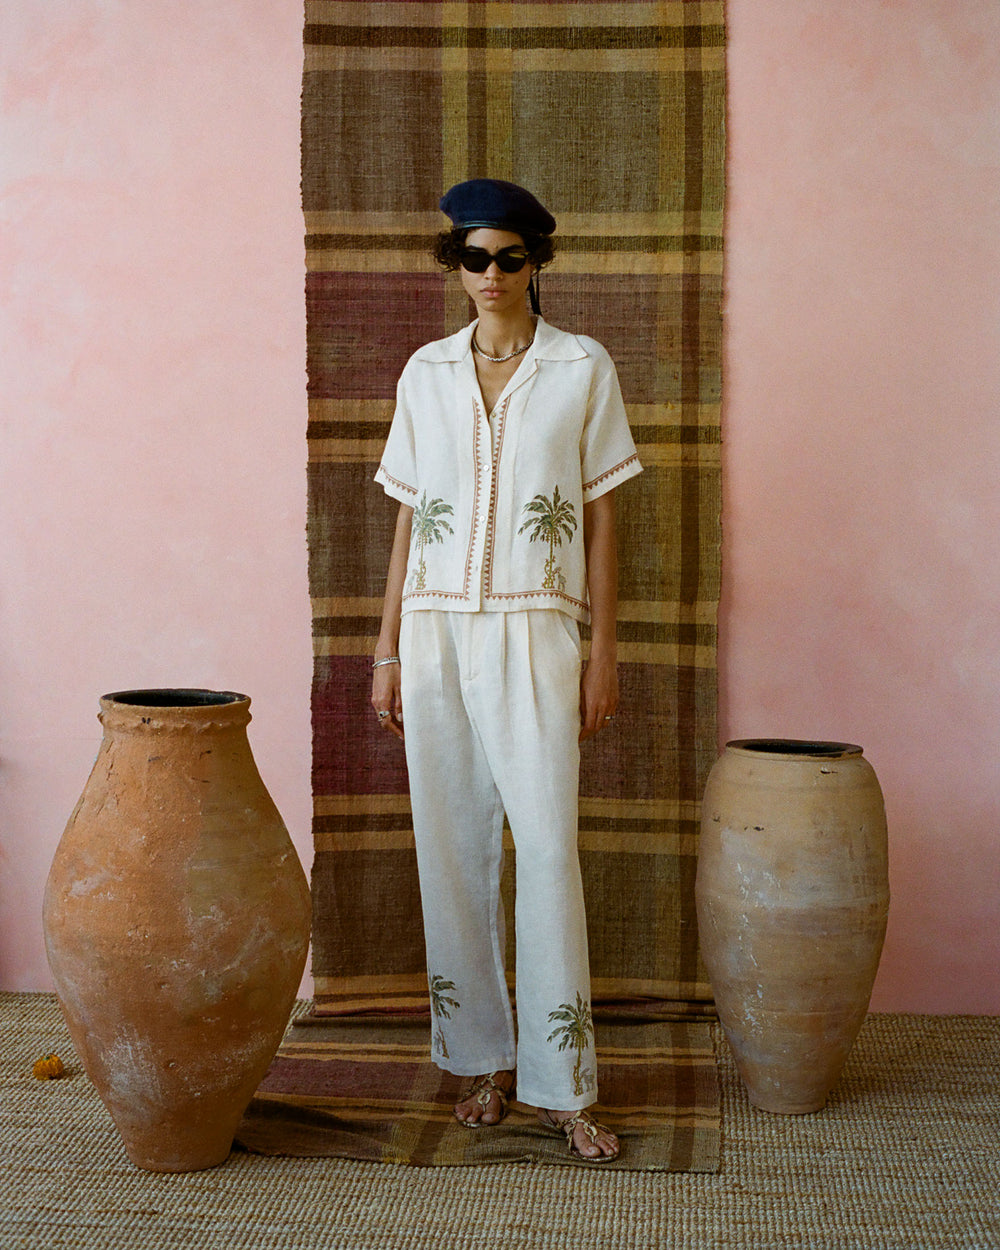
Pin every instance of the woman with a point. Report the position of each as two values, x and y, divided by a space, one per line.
506 445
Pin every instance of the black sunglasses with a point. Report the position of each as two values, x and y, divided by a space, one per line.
508 259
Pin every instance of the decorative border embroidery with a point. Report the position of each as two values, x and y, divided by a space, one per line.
435 594
536 594
387 476
610 472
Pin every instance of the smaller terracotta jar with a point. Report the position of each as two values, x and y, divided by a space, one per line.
792 894
176 920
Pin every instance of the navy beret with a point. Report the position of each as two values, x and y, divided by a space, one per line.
500 205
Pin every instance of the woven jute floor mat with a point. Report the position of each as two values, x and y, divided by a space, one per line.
906 1154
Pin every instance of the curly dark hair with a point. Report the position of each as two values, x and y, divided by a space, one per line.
449 243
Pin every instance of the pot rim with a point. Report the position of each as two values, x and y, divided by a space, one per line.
794 748
170 698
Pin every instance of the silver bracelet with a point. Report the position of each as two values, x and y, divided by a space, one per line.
391 659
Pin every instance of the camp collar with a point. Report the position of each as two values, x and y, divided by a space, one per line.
548 344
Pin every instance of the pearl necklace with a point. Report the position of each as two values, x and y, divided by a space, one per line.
499 360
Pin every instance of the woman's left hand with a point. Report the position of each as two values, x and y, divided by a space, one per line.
598 696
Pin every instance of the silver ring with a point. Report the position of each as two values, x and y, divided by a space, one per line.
383 715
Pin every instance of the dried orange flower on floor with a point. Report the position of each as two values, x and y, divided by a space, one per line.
48 1068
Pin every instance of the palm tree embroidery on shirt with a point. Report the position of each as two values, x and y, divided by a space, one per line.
428 526
550 521
440 1003
576 1031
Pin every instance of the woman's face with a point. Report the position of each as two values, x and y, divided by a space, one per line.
493 290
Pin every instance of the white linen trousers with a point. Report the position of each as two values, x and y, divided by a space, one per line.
491 704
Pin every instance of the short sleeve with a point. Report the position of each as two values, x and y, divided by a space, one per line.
397 472
607 453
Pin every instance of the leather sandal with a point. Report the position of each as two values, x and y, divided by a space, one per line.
586 1121
482 1089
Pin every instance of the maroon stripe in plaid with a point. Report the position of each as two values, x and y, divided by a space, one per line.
358 757
362 329
516 38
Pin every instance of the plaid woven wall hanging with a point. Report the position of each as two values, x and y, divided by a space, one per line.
613 115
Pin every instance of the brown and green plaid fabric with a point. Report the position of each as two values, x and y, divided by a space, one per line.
612 114
358 1090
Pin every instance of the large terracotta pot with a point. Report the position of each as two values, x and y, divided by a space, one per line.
176 920
792 894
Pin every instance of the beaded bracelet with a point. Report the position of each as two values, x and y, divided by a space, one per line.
391 659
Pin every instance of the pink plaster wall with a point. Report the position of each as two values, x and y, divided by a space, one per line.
153 404
862 457
152 508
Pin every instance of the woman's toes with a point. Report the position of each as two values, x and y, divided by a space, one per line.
606 1143
468 1112
485 1106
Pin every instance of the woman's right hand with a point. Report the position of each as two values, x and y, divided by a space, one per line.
387 698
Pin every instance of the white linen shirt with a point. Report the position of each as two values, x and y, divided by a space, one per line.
498 498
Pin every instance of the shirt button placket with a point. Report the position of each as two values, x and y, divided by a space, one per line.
485 506
480 516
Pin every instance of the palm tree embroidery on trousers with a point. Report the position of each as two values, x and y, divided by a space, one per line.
576 1031
440 1003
